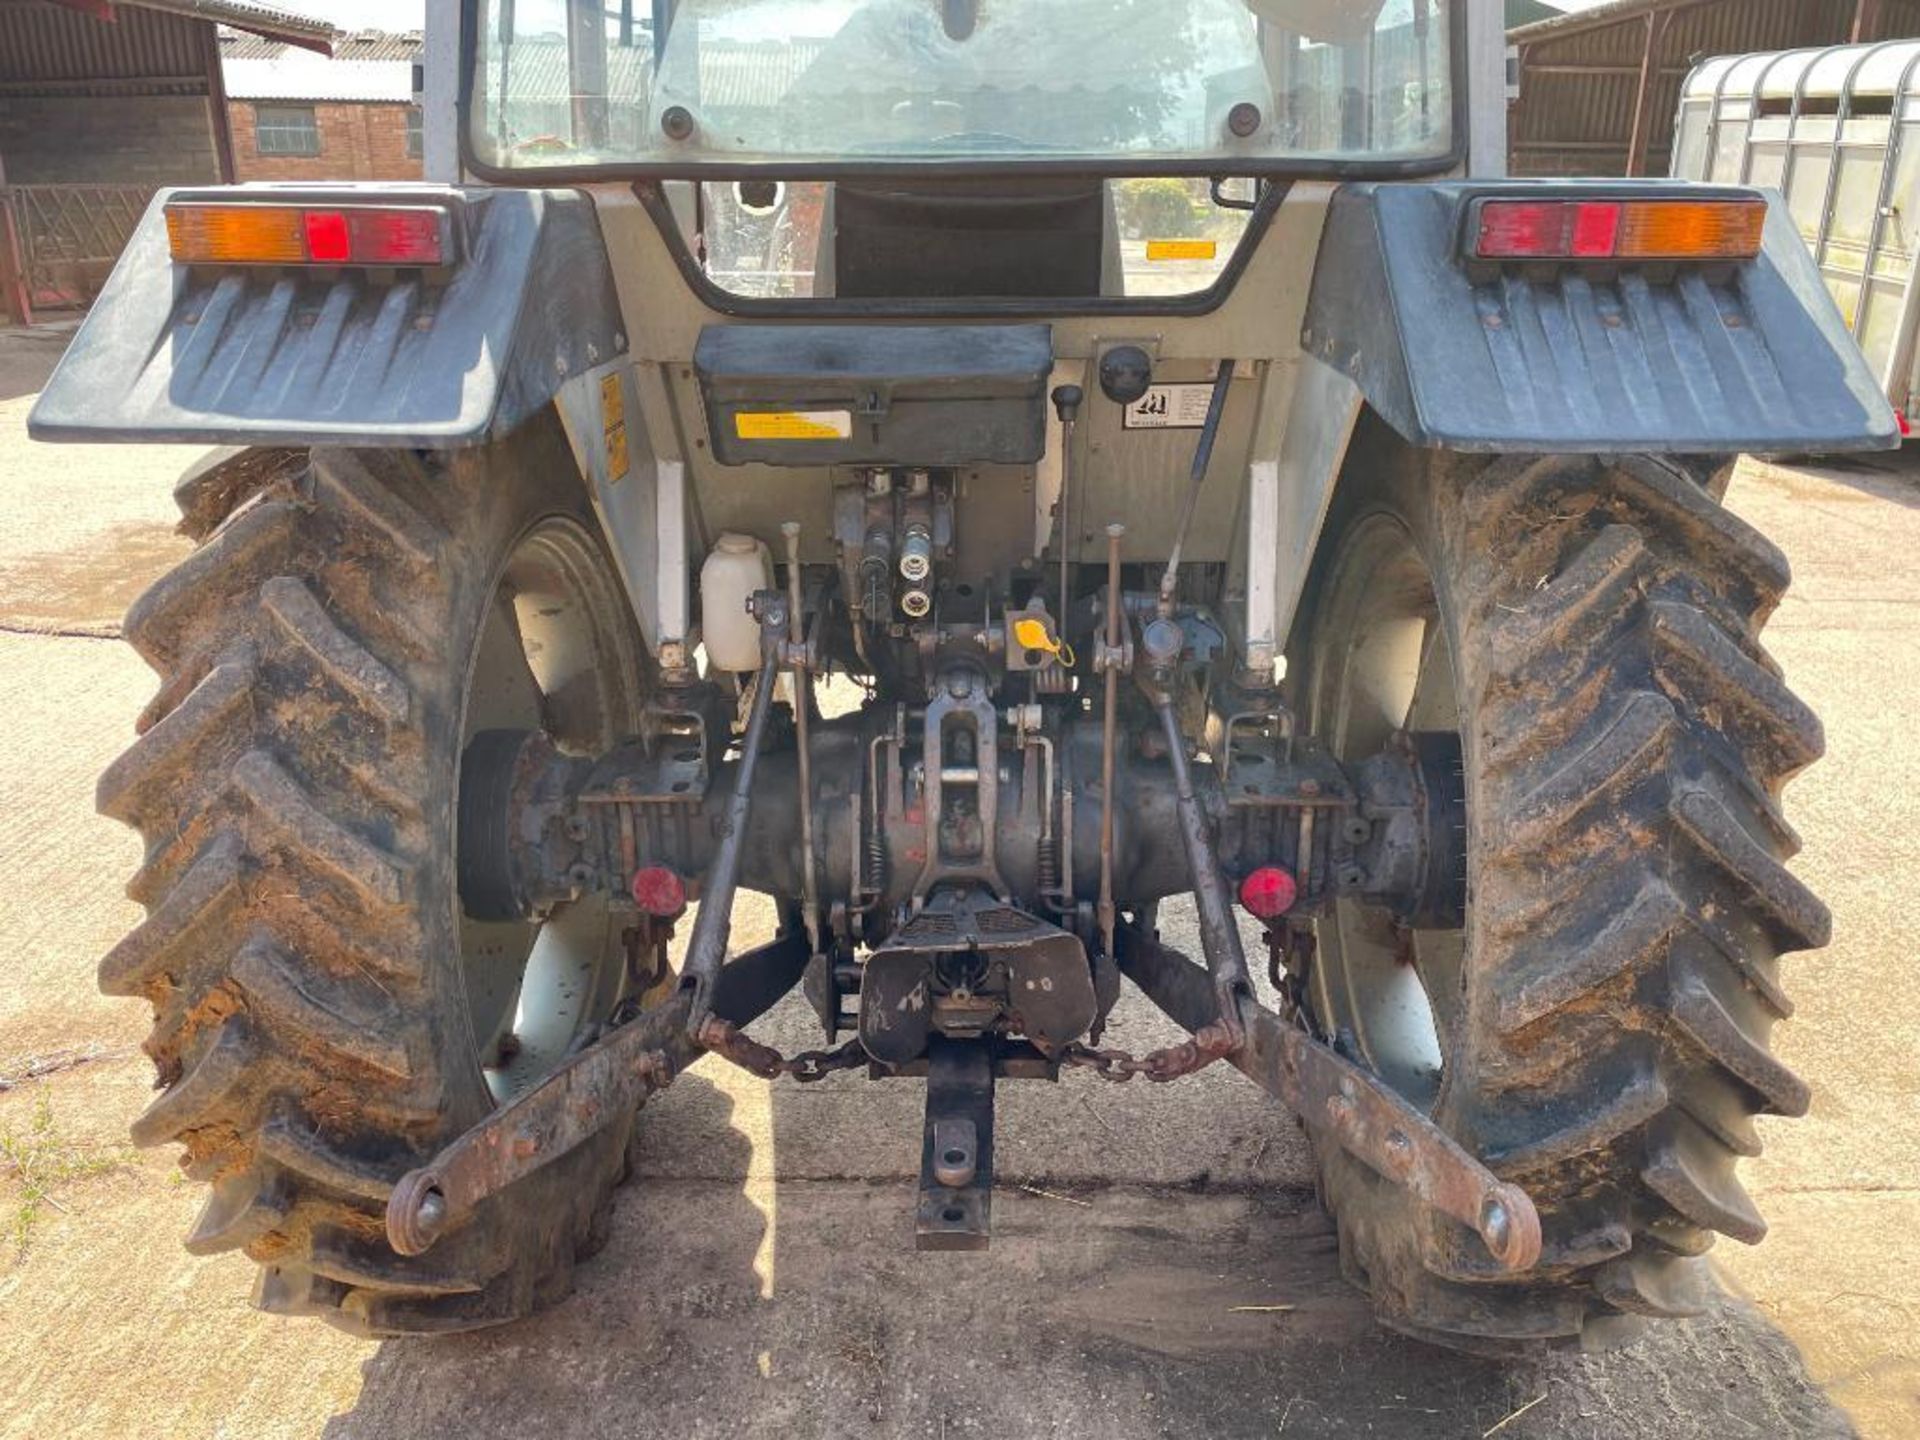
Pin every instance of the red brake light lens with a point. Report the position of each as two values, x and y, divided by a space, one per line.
327 237
1529 229
1595 230
254 234
1619 229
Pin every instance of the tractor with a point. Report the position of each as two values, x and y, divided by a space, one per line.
971 471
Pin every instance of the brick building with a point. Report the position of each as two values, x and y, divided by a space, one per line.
296 115
101 103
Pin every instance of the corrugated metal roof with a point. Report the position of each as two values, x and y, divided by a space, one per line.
298 75
1897 17
356 45
53 48
1592 18
1529 12
301 30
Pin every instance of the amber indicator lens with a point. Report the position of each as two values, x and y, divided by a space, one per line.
1728 229
236 234
301 235
1607 229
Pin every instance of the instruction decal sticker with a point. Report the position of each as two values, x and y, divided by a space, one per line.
1169 407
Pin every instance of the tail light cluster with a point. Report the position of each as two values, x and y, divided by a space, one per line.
200 233
1618 230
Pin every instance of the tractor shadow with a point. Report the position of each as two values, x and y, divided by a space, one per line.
743 1297
1892 477
27 356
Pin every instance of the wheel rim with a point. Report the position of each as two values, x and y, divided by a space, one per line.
555 654
1382 666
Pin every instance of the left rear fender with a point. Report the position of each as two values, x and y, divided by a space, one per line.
295 355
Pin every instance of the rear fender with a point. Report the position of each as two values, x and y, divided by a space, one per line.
1748 356
239 355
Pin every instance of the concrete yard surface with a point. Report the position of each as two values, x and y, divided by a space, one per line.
1158 1265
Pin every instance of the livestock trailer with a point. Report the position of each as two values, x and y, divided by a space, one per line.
1837 131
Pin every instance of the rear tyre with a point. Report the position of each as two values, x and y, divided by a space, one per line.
325 1015
1598 1031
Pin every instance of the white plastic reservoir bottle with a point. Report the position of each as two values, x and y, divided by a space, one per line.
737 566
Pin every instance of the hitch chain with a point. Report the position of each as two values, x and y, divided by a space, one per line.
729 1042
1207 1044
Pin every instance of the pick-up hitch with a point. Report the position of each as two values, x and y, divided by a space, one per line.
1340 1102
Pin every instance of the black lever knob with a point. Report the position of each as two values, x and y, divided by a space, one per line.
1066 402
1125 373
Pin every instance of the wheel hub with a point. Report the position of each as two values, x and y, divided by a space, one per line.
1409 836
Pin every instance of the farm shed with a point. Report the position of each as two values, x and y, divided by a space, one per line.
1599 88
101 103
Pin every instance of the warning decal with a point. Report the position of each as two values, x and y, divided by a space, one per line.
793 424
613 422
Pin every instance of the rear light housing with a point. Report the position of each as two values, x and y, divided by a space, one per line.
248 233
1618 229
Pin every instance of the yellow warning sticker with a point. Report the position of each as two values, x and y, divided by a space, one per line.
617 453
793 424
1182 249
613 420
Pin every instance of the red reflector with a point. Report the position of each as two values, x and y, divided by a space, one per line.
396 237
327 237
1906 425
1268 893
1517 229
659 891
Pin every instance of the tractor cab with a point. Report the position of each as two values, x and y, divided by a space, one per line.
1071 149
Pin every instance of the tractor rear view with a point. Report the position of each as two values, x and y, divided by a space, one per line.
1214 487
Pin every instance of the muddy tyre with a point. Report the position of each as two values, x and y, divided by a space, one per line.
1598 1030
325 1014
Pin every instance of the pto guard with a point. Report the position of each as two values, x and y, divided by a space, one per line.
1568 357
259 355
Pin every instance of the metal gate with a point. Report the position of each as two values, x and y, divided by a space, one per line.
68 237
